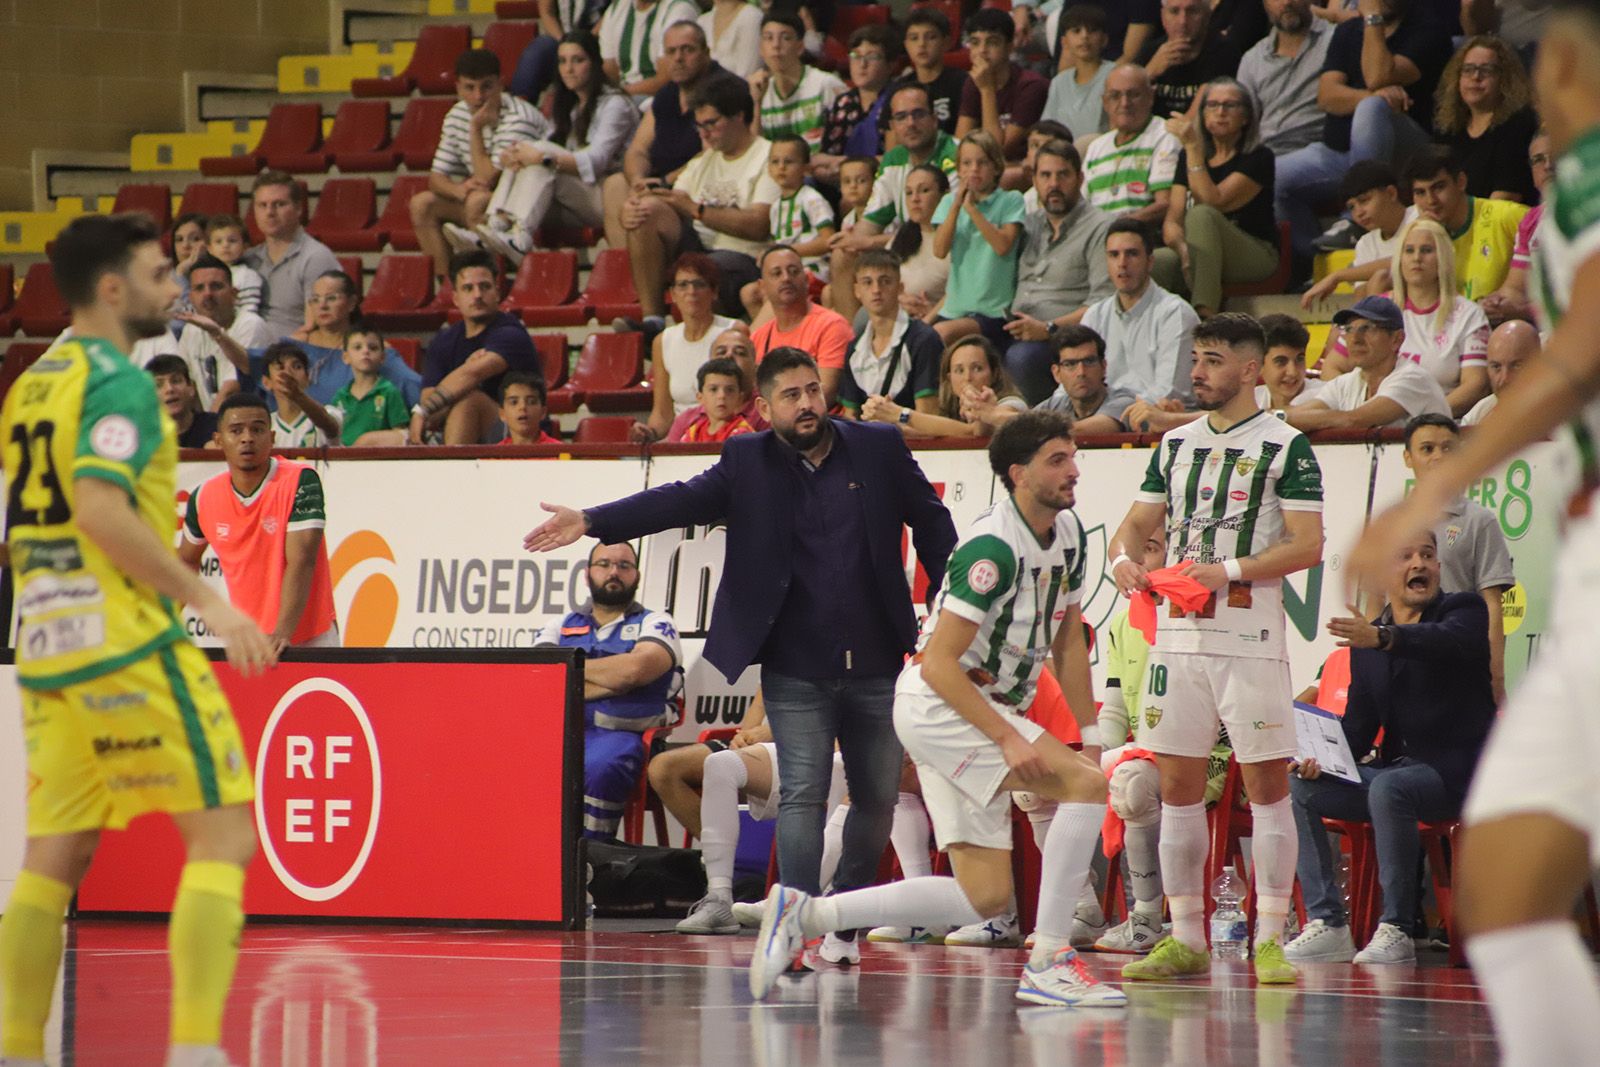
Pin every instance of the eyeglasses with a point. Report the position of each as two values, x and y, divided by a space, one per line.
620 566
1225 105
1363 331
689 285
1539 159
708 125
1130 95
1074 364
916 114
868 57
1479 70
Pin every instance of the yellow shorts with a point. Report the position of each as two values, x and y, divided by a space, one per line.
157 735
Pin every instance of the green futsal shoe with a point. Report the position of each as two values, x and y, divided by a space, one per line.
1271 967
1170 958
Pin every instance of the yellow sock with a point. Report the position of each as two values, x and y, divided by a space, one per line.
203 942
30 954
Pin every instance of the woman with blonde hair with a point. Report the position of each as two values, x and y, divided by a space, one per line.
1483 110
975 396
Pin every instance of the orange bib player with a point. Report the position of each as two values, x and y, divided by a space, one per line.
264 518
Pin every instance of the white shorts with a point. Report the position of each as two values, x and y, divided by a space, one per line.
763 809
1186 697
962 793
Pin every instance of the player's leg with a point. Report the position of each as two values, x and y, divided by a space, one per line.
1135 798
838 809
1276 844
676 775
725 775
32 938
612 760
911 833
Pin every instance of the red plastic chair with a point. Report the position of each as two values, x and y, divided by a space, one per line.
603 430
401 287
507 40
154 199
345 215
608 363
516 9
610 291
18 358
8 297
353 267
1275 284
644 798
848 18
292 132
359 126
567 236
432 67
210 198
410 350
552 349
40 310
545 292
418 136
396 218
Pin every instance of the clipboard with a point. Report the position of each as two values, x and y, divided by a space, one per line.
1320 736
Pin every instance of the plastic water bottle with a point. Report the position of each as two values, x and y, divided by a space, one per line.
1229 929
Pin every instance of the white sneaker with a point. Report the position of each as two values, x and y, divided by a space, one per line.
1066 982
999 932
1321 943
749 912
1136 933
514 245
1389 944
460 239
781 940
903 935
713 914
836 949
1088 925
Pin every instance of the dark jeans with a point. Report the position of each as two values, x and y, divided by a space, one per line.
1393 799
807 717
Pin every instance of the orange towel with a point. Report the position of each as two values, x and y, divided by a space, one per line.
1173 584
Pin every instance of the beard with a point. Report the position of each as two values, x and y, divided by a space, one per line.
613 593
145 326
1294 20
1218 400
805 441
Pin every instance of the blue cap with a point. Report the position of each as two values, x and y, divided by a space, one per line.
1378 309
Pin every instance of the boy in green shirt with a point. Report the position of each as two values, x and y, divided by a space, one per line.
374 410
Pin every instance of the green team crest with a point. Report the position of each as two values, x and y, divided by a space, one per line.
1152 717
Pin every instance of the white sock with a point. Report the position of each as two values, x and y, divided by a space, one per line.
909 835
1543 993
1067 853
913 902
1142 845
1039 819
1276 847
724 775
1184 848
832 844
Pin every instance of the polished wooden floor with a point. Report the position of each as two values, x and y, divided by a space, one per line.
630 994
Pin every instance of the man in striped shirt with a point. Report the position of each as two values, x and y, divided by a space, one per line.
1128 170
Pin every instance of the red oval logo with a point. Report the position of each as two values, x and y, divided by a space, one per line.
1238 494
319 788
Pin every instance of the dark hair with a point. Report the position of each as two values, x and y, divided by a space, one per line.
1058 131
761 260
909 84
1234 329
566 100
241 399
866 161
696 263
781 359
1133 226
478 63
472 257
297 191
785 16
169 364
929 16
794 139
1430 418
218 223
523 377
727 94
207 261
1429 160
881 258
588 561
364 329
1077 335
1019 439
726 367
1285 331
348 284
880 35
92 245
196 217
1062 150
278 351
1365 176
989 20
1090 17
907 240
688 24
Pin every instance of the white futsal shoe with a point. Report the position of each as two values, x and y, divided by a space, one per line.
749 912
781 939
1136 933
835 949
1321 943
1065 982
1001 931
1389 944
712 914
1088 925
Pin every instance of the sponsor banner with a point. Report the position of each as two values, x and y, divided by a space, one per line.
374 799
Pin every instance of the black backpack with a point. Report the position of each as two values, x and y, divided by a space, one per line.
633 881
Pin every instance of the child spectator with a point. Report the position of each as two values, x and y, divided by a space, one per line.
856 175
299 422
1075 98
226 239
523 403
188 241
176 391
980 233
926 43
794 98
800 218
1372 193
1283 371
370 408
723 394
1047 131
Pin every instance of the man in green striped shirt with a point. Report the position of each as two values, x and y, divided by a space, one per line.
795 98
1128 170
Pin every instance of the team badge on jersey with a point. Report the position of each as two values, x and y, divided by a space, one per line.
115 438
270 524
1152 716
1452 534
983 576
1244 465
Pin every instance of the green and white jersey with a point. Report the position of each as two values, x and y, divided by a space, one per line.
1569 234
803 112
1017 589
1225 494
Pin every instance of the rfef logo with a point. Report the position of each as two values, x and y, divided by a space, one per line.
319 789
373 599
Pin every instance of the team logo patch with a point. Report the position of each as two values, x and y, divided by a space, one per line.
270 524
115 438
1238 494
1152 717
1207 493
983 576
1452 534
1244 465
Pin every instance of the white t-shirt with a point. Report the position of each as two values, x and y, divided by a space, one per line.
1309 387
738 50
799 218
302 433
1372 246
209 369
1480 410
683 358
1464 341
715 180
1407 385
644 31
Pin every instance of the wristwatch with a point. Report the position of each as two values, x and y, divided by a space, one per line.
1373 20
905 417
1385 638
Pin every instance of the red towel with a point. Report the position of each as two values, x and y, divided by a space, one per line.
1173 584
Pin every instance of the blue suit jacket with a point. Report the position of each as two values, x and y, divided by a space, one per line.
745 490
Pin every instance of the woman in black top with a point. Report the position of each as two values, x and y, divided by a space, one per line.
1483 111
1219 220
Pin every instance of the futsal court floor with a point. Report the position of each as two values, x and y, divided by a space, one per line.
633 993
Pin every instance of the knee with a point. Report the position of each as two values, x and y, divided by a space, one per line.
1135 793
1201 219
1389 800
422 208
664 772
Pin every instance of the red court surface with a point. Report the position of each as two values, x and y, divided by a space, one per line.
622 996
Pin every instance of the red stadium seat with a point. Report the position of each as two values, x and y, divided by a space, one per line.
608 373
552 349
210 198
18 358
154 199
567 236
352 266
958 59
603 430
516 9
410 350
396 218
359 126
507 40
432 67
952 11
8 296
1274 284
345 215
292 131
401 287
39 309
418 136
848 18
610 291
546 291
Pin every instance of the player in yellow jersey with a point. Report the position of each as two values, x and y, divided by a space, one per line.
122 715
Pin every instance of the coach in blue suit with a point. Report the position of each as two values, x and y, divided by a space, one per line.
813 589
